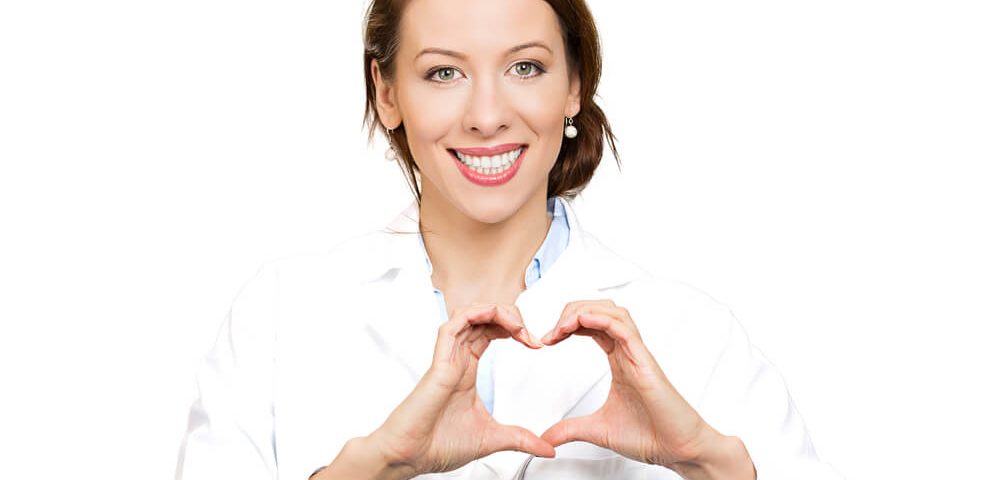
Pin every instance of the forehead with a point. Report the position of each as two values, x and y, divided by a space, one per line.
478 26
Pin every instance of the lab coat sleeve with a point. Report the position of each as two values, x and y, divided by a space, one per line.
746 397
231 424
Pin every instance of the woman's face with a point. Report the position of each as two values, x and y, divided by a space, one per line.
477 82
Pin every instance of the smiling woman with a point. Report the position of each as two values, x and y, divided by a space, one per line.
537 61
377 359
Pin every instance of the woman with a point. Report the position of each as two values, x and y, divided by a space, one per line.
380 354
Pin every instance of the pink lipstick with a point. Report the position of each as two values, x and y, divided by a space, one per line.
490 166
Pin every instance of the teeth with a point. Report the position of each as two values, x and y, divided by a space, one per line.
490 165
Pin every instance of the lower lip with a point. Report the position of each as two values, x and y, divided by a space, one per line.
490 180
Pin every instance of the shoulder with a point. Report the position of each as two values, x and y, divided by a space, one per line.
671 311
686 328
626 278
347 262
672 303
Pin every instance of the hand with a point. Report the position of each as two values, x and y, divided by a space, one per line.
644 417
443 424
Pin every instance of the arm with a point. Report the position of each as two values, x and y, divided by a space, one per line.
722 458
744 426
230 428
360 459
746 397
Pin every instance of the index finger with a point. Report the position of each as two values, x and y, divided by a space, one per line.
503 316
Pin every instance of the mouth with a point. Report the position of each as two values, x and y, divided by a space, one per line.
489 166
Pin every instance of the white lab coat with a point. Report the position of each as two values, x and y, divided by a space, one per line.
319 349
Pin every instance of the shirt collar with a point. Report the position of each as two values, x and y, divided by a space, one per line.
555 242
398 246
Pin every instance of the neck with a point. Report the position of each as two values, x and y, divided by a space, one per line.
480 258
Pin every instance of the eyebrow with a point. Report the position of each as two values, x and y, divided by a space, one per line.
462 56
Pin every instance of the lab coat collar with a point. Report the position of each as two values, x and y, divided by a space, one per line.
400 248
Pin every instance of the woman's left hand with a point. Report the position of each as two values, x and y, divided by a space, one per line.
644 417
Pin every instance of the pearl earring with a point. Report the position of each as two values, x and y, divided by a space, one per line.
570 130
390 153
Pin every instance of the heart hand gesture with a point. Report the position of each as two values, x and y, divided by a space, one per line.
644 417
443 424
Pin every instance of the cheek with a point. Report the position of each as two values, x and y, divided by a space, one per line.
542 108
542 112
428 119
429 116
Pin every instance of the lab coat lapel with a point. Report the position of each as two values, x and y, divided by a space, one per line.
403 316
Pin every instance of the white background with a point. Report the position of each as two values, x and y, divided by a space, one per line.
829 170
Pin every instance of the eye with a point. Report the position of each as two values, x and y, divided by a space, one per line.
527 69
442 75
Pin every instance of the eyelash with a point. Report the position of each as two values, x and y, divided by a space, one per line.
538 71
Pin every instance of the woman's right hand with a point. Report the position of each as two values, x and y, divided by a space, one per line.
443 424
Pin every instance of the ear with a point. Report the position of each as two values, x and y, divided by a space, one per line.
385 99
573 100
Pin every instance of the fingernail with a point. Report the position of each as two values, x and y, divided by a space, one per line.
547 337
527 336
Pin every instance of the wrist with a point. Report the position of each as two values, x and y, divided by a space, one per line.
723 457
362 458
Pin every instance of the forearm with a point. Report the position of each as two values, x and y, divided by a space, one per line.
360 459
727 459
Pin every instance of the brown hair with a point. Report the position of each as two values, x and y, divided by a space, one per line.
578 158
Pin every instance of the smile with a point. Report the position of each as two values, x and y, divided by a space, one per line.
489 166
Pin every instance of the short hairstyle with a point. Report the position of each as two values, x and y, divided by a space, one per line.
578 158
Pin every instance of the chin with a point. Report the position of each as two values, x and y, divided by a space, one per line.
490 209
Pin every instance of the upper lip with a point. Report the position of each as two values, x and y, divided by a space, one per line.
489 151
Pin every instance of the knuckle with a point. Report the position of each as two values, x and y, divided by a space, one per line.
514 321
465 310
519 442
449 327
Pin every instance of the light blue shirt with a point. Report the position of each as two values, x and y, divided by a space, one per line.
555 242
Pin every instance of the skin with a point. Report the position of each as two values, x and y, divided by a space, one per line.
491 97
486 96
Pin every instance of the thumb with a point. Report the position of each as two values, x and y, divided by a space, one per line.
507 437
583 429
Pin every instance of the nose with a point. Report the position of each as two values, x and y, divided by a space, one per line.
488 111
